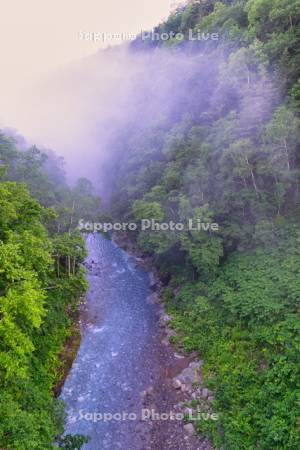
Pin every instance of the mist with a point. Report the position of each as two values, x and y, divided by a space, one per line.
88 111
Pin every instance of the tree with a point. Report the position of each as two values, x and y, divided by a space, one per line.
240 158
282 139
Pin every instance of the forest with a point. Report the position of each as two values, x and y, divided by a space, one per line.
226 152
41 284
229 154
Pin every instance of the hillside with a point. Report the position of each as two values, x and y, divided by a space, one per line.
228 153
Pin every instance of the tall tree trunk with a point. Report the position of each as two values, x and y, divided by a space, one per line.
72 215
252 176
287 155
278 202
57 262
69 266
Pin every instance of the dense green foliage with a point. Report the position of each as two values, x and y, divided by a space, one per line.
246 326
41 281
229 154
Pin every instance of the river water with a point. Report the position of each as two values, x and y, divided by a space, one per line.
114 363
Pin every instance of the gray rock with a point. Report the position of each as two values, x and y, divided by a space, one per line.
189 428
152 279
177 383
204 393
177 356
196 364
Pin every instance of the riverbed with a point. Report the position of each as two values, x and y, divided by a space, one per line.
113 364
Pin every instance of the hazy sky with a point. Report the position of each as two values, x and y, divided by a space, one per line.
39 35
51 102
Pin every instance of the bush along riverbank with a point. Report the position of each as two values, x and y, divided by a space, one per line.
41 284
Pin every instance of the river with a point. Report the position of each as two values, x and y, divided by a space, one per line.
114 363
